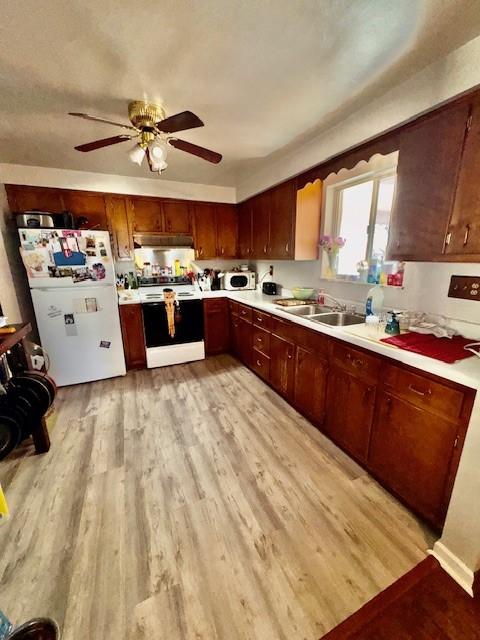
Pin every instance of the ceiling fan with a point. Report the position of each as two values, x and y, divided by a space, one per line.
153 129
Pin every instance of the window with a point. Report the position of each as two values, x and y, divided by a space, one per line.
361 215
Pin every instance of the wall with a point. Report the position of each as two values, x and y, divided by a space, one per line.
14 294
425 289
445 78
66 179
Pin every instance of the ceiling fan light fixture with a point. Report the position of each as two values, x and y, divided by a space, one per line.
158 151
137 154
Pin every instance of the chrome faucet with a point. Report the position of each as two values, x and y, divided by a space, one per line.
337 305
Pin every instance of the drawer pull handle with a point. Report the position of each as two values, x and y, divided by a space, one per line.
259 364
259 319
356 362
465 237
428 392
259 340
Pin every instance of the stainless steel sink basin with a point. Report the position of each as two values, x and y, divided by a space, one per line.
307 310
338 318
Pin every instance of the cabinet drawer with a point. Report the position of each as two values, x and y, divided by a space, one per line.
283 328
261 319
311 340
424 393
261 340
215 305
245 312
233 306
261 364
358 363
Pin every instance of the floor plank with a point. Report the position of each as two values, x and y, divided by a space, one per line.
192 502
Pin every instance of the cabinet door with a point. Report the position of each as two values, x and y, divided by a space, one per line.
205 231
261 225
131 320
226 231
411 451
216 325
245 249
463 236
310 384
176 217
282 365
235 335
118 217
282 225
22 198
350 406
147 215
428 165
88 205
244 336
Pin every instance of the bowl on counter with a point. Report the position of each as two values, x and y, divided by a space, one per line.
302 293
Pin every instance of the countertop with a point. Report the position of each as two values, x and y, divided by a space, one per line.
465 372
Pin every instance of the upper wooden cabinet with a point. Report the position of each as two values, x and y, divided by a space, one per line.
119 223
226 221
463 236
283 202
285 223
147 214
156 215
428 164
205 231
215 230
245 236
176 217
88 204
24 198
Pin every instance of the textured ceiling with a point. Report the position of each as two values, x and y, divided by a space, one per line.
260 73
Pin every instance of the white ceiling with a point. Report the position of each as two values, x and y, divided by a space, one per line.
262 74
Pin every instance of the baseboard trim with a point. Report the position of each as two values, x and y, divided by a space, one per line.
455 568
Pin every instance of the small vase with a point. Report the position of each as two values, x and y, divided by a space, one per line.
332 268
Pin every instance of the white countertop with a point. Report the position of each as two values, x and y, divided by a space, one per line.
466 372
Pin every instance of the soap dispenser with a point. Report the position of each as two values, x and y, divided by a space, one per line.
393 326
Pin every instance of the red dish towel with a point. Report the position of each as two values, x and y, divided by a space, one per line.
447 350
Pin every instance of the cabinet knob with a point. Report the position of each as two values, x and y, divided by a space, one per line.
259 364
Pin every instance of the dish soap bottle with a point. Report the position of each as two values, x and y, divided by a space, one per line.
374 301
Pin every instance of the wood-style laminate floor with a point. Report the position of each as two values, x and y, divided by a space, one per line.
192 503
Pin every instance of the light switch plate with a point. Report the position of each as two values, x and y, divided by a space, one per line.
464 287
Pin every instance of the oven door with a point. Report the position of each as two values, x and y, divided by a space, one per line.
188 323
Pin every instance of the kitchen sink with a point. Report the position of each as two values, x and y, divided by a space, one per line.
338 318
307 310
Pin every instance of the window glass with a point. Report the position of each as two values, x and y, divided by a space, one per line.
354 205
386 189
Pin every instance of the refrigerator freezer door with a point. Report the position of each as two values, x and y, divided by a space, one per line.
60 258
80 330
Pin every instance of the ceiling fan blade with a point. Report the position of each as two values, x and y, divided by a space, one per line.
86 116
201 152
179 122
105 142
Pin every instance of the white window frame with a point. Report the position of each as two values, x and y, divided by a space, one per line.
375 170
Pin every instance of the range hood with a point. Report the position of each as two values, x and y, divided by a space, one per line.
153 241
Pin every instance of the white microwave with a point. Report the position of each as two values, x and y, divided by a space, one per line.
239 280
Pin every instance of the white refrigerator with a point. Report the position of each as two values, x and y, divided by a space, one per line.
72 282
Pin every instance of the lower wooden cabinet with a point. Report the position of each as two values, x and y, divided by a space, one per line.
244 341
349 412
216 324
282 365
310 384
131 320
407 428
411 452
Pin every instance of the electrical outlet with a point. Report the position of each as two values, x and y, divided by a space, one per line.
464 287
